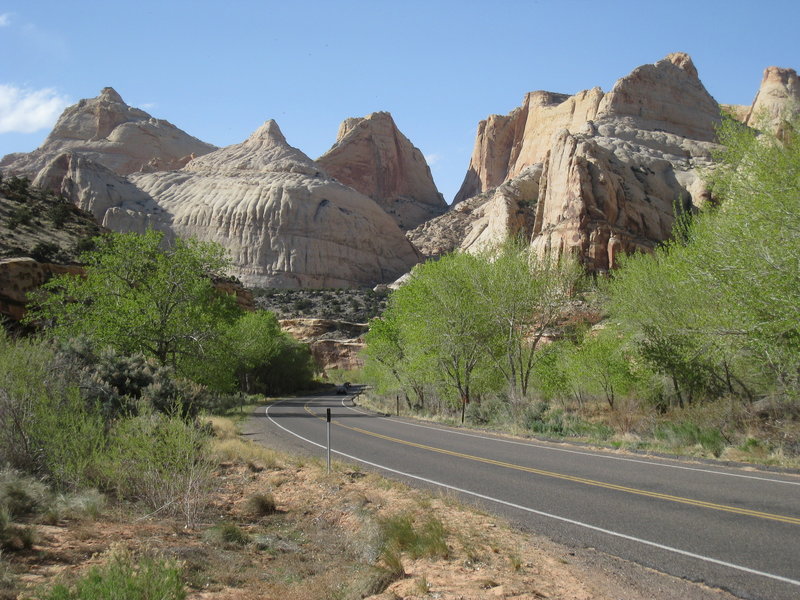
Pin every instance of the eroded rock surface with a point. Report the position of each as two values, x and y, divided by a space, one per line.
283 220
596 174
777 100
333 344
372 156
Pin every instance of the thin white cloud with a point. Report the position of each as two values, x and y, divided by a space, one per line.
432 159
148 105
5 19
25 111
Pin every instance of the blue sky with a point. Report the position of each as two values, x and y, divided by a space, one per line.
220 69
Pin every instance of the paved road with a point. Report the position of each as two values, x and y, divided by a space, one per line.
735 529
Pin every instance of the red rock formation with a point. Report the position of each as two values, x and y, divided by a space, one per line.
372 156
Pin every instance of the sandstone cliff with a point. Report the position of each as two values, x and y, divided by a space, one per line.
107 131
778 98
506 144
481 221
372 156
333 344
612 168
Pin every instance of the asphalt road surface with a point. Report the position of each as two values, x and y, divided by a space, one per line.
732 528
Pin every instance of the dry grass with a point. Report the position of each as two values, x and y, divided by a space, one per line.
228 446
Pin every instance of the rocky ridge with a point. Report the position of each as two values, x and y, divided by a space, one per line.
284 220
613 168
372 156
107 131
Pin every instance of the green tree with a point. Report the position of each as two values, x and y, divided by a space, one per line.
441 326
143 294
523 296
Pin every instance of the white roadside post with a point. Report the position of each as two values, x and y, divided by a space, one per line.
328 427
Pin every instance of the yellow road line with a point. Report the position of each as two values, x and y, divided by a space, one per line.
583 480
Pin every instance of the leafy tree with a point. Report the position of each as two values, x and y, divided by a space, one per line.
143 294
465 322
523 296
440 326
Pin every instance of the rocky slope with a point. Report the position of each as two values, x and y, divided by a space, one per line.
107 131
596 173
372 156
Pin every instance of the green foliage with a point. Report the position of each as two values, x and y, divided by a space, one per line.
46 427
685 434
143 294
602 366
464 324
22 495
59 213
123 577
226 534
45 252
20 216
161 461
255 356
426 539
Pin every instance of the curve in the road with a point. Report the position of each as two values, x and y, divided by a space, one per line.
617 534
573 478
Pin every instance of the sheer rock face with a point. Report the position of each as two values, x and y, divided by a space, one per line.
613 167
109 132
372 156
90 185
284 222
507 144
778 98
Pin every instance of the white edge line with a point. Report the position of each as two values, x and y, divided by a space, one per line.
542 513
592 454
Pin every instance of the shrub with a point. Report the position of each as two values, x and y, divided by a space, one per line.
261 505
161 461
690 434
45 252
8 581
226 534
58 213
428 539
20 216
22 495
46 428
123 577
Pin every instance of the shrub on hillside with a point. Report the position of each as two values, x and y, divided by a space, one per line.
161 461
46 427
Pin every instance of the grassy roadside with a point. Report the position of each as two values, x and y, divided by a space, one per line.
693 433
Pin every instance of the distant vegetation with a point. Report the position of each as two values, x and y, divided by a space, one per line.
700 346
352 305
40 224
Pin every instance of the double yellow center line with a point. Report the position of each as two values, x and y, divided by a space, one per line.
573 478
